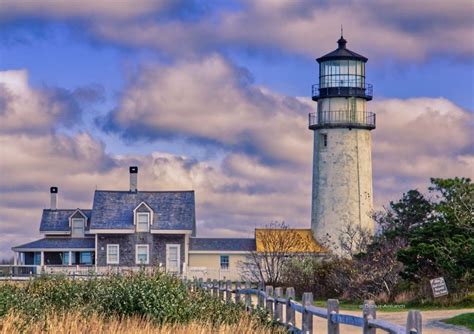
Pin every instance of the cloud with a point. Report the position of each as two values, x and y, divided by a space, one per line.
382 29
85 9
27 110
214 101
415 139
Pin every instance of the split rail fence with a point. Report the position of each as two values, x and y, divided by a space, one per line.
274 301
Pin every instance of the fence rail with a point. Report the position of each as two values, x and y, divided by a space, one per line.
274 301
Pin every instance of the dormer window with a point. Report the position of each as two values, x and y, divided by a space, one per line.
143 217
143 221
77 227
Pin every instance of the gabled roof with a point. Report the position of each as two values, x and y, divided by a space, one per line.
342 53
58 220
173 210
289 240
59 243
221 244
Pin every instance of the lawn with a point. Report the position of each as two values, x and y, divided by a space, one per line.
465 320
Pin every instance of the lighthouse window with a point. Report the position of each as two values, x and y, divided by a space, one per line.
323 140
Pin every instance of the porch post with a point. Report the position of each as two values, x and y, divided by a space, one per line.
15 258
42 259
70 259
186 253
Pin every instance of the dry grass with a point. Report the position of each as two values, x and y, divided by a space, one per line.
75 323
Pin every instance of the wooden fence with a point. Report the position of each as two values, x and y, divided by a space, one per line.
283 307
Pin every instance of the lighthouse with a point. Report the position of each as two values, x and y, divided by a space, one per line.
342 162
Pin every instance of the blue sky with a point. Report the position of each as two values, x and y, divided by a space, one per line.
215 97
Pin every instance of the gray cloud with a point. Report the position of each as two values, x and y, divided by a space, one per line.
213 101
394 29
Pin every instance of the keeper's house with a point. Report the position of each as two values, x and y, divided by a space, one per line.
127 230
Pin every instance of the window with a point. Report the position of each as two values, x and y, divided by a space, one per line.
113 254
323 140
143 220
172 257
77 227
142 254
225 262
85 258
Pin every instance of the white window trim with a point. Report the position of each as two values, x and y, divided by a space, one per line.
147 253
168 246
150 212
83 226
148 218
118 254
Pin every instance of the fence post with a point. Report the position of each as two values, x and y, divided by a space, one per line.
215 288
278 314
368 312
209 286
268 301
200 283
237 292
290 312
333 308
307 317
228 291
414 323
221 289
248 296
261 298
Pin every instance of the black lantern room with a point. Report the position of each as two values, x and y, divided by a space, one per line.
342 74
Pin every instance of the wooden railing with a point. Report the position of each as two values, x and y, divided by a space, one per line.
283 308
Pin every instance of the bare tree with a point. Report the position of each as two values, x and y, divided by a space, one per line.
276 243
354 239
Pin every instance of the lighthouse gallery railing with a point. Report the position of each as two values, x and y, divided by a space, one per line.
342 118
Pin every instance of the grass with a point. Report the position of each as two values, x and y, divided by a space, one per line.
159 300
465 320
77 323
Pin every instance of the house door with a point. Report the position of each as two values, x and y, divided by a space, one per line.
173 257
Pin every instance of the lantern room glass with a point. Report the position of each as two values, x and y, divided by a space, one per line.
342 73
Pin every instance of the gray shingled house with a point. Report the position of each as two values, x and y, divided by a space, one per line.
131 229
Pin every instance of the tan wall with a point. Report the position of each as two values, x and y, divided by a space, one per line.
211 263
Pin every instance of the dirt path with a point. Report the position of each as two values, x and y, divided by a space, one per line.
431 322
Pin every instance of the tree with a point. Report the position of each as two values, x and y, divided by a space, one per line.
276 244
444 245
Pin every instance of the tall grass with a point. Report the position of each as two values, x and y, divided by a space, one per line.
161 299
77 323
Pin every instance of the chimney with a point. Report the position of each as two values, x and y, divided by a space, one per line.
54 197
133 178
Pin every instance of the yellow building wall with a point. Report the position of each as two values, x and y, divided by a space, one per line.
208 266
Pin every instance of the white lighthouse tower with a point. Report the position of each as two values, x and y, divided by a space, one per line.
342 163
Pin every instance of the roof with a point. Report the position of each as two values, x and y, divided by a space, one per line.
287 240
342 53
222 244
172 210
59 243
58 220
